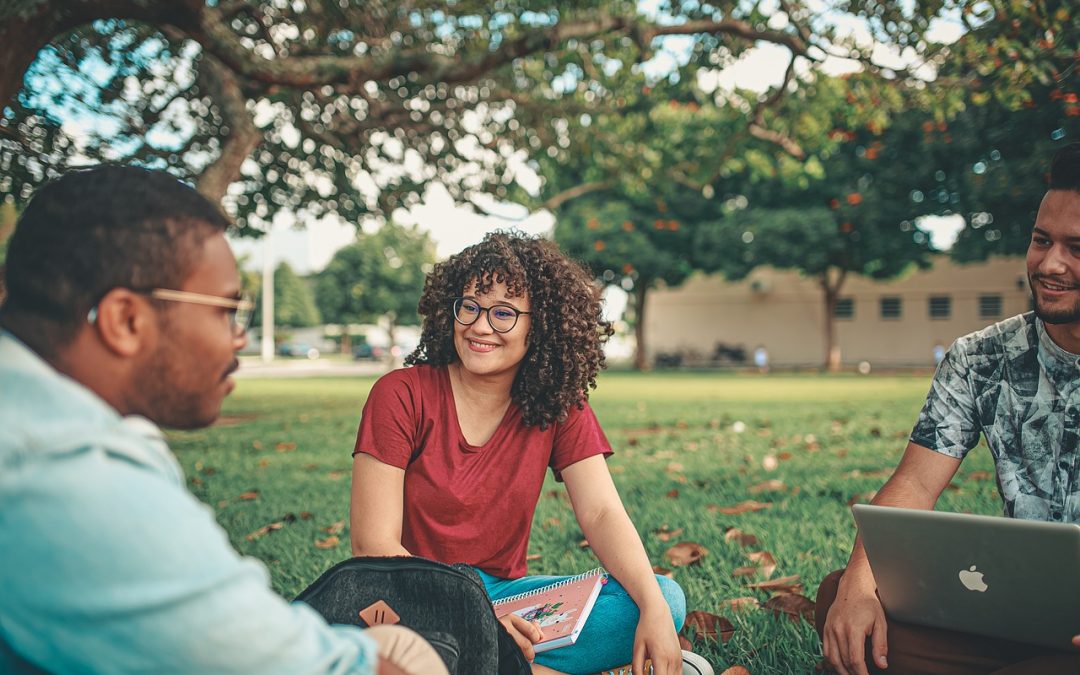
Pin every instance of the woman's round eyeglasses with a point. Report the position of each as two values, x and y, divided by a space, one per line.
501 318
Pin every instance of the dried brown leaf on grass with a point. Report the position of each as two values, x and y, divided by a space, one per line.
685 553
673 494
709 626
742 507
740 604
532 556
248 496
665 533
736 670
335 528
663 571
793 605
771 485
862 497
742 538
329 542
265 529
787 584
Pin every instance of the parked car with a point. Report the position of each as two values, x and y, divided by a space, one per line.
301 349
363 351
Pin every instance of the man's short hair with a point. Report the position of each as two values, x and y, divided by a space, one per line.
93 230
1065 168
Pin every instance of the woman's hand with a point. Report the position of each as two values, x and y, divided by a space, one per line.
656 639
525 634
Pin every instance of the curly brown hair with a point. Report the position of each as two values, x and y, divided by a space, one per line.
567 334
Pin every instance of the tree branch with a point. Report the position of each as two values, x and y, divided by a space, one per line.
242 139
561 198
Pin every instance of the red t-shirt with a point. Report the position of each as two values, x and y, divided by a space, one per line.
466 503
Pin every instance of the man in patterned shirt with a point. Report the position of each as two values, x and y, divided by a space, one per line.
1018 384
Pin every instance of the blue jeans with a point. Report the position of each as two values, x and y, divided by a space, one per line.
607 640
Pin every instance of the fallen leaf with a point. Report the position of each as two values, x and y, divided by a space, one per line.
665 534
709 626
305 515
674 467
336 528
764 560
686 644
553 522
685 553
745 540
335 475
329 542
786 584
533 556
772 485
663 571
746 571
285 447
795 606
257 445
673 494
740 604
980 475
785 455
263 463
770 463
264 530
862 498
249 496
736 670
584 543
744 507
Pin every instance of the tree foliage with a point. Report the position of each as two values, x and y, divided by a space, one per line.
294 302
351 107
380 275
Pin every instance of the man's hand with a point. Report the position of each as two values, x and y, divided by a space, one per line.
1076 641
853 616
525 634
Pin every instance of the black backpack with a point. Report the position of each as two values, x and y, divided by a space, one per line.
447 604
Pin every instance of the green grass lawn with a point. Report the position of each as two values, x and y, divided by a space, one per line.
687 445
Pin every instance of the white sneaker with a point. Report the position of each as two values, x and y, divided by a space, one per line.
692 664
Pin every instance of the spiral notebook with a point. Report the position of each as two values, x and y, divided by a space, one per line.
559 609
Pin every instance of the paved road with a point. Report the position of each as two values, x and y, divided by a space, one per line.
253 367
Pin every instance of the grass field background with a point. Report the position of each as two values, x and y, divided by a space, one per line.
687 446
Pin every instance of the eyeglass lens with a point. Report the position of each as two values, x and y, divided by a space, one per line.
501 318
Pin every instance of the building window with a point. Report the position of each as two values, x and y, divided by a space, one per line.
989 306
845 308
891 308
940 306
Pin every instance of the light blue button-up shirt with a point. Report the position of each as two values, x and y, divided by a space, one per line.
107 562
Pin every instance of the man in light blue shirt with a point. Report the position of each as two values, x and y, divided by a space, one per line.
124 312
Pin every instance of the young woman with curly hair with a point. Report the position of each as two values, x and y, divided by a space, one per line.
451 453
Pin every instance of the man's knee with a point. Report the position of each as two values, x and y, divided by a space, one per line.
407 650
826 595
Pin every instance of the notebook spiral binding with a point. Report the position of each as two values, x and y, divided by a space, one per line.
545 589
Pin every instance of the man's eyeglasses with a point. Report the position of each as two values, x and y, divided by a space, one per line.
240 309
501 318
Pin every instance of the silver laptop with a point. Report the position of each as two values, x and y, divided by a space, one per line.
1003 577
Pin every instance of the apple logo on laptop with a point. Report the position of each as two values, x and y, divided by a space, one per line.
973 580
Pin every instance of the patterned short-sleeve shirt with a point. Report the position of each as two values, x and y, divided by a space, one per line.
1014 385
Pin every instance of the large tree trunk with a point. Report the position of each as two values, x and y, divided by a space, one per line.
830 289
640 360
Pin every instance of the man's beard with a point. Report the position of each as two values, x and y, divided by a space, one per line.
1053 316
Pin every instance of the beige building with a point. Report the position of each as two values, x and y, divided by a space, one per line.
893 323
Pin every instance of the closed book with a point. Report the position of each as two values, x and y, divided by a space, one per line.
560 609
